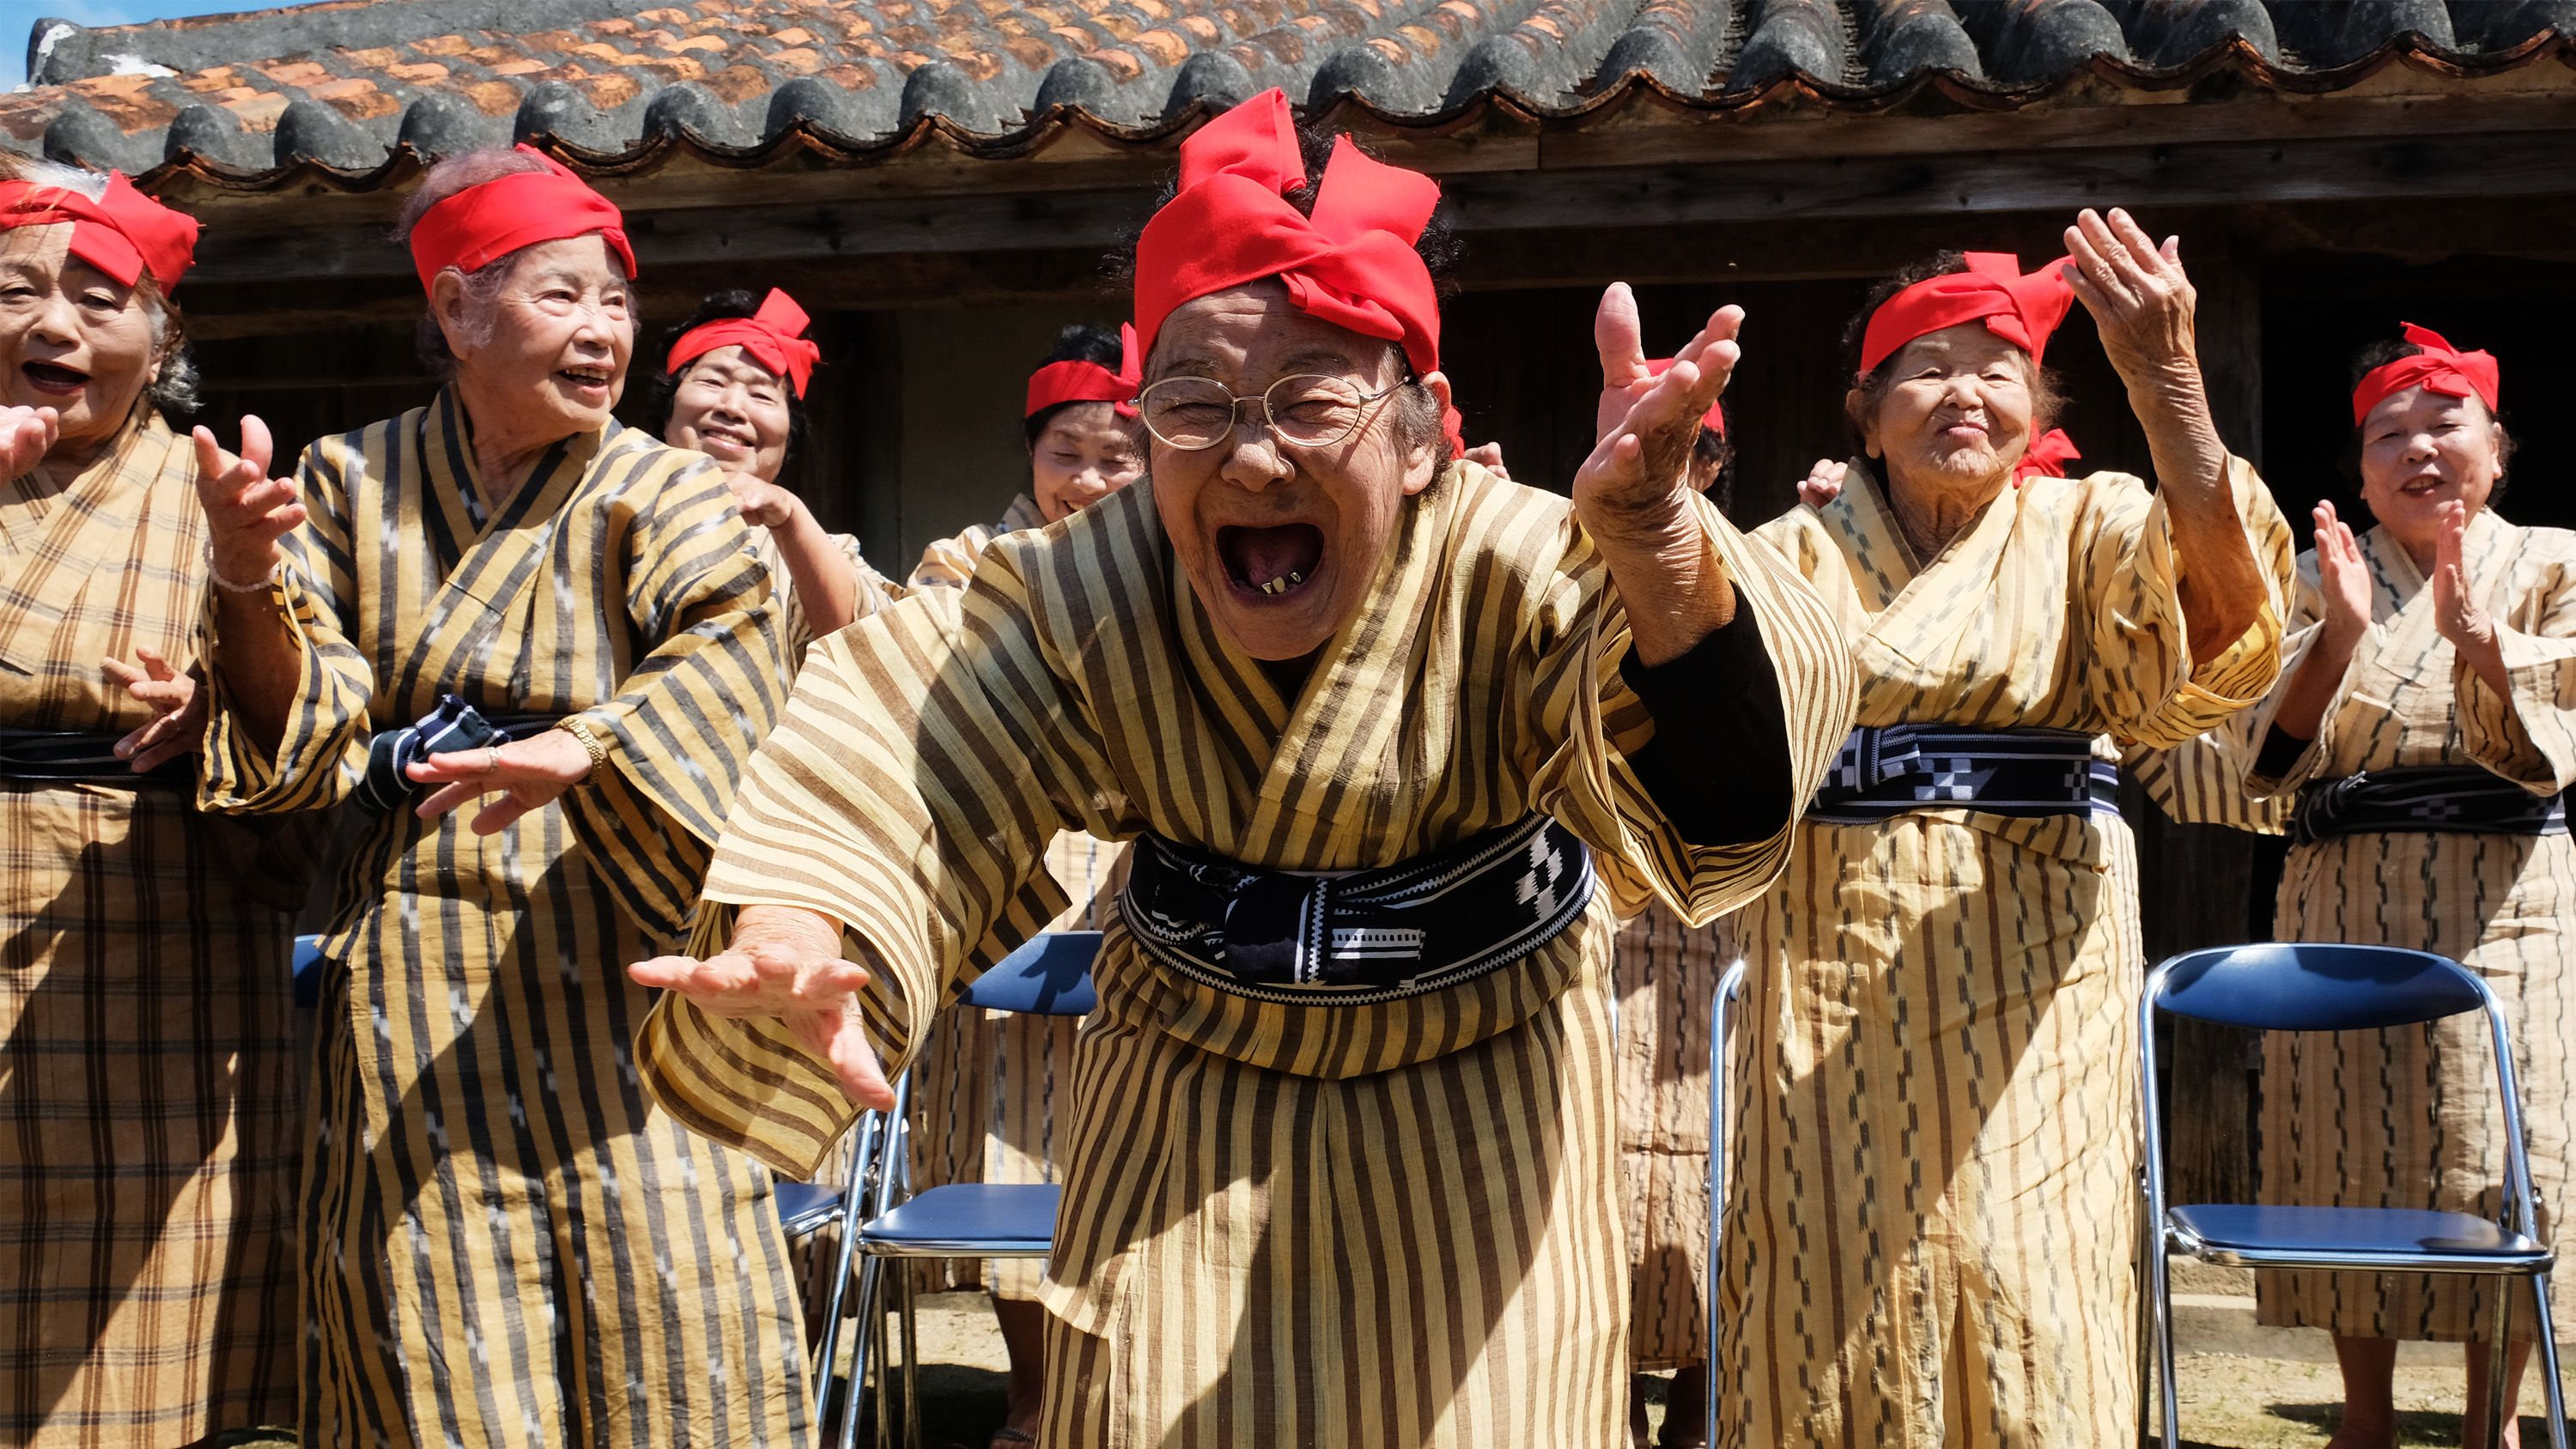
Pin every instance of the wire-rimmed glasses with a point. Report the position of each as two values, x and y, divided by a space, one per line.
1306 410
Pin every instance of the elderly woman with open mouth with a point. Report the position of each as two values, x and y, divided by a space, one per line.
1933 1237
147 1068
507 595
1394 739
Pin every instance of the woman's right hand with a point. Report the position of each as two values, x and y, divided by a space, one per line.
786 963
1823 483
762 504
2343 576
247 511
26 436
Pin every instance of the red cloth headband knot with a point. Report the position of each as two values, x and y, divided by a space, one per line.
2022 310
1074 381
124 233
1714 419
491 219
2046 457
774 336
2440 367
1351 264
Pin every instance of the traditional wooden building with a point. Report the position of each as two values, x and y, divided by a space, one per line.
940 181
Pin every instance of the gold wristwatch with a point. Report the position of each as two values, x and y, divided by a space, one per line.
590 741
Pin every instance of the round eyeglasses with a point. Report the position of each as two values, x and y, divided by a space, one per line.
1307 410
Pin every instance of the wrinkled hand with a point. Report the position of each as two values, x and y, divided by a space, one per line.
760 503
526 774
2457 614
1489 456
1823 483
178 724
2141 301
798 977
1646 425
247 511
2343 576
26 435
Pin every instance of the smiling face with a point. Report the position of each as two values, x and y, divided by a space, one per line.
2420 450
734 410
1084 453
1955 413
561 332
1280 543
71 339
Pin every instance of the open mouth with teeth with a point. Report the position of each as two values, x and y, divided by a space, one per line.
53 378
586 377
1274 563
725 442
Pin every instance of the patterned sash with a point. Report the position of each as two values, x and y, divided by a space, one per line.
1360 937
1884 771
40 756
453 725
2441 799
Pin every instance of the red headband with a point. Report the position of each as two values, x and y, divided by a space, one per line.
2022 310
1714 419
491 219
774 336
2046 457
1351 264
2440 367
1075 381
124 233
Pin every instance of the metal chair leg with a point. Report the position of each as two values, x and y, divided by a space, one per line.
911 1361
2499 1356
865 1349
2146 1323
2547 1333
2160 1304
884 1377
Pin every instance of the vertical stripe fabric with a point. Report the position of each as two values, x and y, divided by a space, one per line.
1665 974
2408 1117
1931 1235
148 1079
504 1242
1282 1223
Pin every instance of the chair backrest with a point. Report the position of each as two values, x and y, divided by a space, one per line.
308 971
2297 986
1050 975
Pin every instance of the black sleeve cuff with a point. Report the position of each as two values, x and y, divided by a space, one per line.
2281 750
1718 766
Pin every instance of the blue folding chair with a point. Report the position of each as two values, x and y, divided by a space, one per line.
1048 976
308 972
2326 988
1730 990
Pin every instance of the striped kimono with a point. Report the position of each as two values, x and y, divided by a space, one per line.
989 1100
1664 973
1932 1236
2407 1117
505 1244
147 1068
1283 1223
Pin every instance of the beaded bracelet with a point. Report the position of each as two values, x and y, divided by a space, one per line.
261 585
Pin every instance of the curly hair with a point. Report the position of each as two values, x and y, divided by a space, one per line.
2046 396
1416 413
664 386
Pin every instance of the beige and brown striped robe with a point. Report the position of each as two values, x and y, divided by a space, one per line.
505 1244
1931 1238
1664 973
1386 1224
989 1096
147 1068
2407 1117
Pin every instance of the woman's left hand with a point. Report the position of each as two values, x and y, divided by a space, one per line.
526 774
178 724
2140 298
2457 614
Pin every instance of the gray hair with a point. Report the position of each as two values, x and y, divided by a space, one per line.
483 284
175 391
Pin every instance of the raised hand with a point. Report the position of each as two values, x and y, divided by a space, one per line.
526 774
761 503
2140 298
1489 456
178 723
26 435
786 963
247 511
2343 576
1646 425
2457 614
1823 483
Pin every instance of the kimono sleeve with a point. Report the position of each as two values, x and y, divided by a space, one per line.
2528 734
707 687
1592 725
2140 673
323 753
910 795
